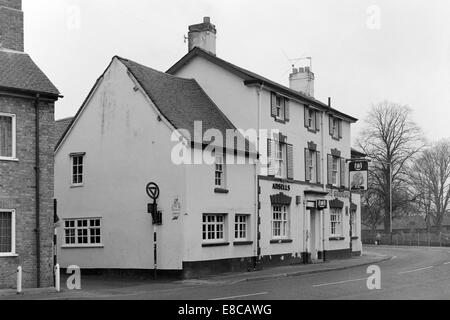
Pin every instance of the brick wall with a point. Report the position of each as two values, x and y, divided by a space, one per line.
11 25
18 187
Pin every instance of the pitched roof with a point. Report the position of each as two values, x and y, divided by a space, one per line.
182 101
61 126
19 72
252 78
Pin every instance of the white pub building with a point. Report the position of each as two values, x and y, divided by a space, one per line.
293 208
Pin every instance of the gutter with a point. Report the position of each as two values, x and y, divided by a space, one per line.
37 195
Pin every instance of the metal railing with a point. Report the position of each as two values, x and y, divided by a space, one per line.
419 239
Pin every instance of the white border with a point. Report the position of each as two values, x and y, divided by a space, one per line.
13 157
13 234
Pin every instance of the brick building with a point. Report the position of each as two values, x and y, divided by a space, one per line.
27 99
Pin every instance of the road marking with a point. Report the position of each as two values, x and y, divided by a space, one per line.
339 282
410 271
242 296
447 262
394 257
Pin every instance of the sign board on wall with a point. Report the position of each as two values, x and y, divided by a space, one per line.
359 175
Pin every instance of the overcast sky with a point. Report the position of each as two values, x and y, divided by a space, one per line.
363 51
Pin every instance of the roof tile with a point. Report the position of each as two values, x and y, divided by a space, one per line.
18 71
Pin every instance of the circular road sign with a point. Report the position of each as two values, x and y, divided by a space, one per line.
152 190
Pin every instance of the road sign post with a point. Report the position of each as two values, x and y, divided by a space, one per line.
153 192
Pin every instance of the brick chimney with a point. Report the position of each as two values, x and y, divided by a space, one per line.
302 80
203 35
11 25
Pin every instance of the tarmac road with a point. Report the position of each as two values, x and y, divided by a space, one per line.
410 273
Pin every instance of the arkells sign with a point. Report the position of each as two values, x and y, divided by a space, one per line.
359 175
282 187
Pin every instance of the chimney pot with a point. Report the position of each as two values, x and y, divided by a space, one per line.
206 20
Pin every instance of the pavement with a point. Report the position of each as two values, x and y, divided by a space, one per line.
95 287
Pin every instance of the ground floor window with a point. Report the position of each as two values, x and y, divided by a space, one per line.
82 231
7 232
214 227
336 222
280 222
241 228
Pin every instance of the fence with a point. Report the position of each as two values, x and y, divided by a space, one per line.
420 239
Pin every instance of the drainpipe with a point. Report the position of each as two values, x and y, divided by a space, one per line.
324 173
38 202
257 203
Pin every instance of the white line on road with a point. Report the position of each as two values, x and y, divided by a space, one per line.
242 296
410 271
339 282
447 262
394 257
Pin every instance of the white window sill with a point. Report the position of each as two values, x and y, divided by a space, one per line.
87 246
9 159
8 255
77 186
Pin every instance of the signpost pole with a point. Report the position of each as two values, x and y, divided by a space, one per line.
155 253
153 191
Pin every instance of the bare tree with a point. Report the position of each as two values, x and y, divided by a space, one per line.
431 179
391 140
371 215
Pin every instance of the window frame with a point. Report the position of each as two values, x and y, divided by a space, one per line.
238 227
312 126
280 107
13 234
222 172
13 137
206 231
284 222
336 223
312 166
336 128
335 171
76 234
280 152
73 156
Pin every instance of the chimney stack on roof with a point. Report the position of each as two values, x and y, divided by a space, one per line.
11 25
203 35
302 80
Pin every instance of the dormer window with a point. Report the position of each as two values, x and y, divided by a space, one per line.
279 108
